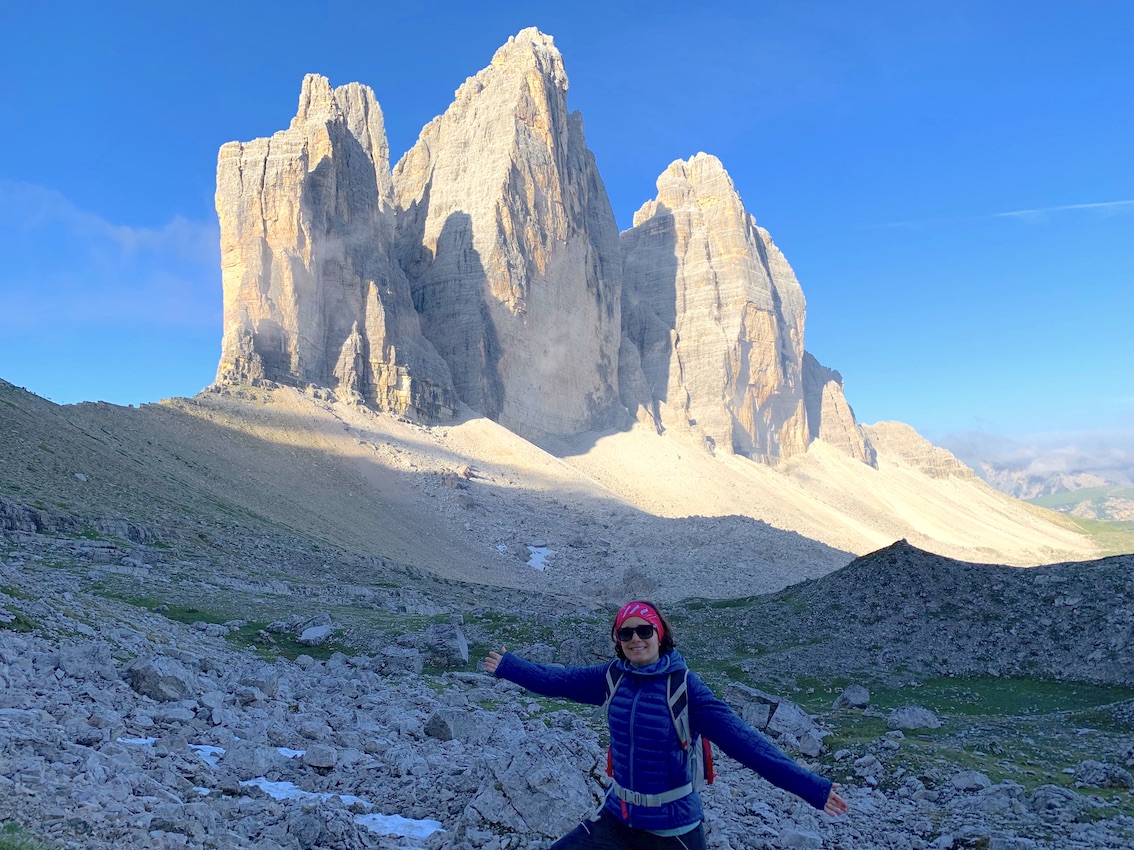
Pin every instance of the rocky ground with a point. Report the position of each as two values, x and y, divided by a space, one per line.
151 701
233 622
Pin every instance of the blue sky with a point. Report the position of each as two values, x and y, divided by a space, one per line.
953 182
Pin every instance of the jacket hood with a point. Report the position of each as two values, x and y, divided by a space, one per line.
666 664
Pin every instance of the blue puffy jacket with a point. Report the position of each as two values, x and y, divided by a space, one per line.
645 752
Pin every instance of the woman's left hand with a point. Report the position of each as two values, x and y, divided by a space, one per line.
493 660
836 805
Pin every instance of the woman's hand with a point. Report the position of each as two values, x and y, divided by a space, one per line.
493 660
836 805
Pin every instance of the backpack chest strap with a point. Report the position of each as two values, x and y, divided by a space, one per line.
634 798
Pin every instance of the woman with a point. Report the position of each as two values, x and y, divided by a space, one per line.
652 803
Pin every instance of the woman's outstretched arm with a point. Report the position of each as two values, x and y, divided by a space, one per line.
582 684
713 718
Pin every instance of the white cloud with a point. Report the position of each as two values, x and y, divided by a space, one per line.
1107 208
1108 454
66 266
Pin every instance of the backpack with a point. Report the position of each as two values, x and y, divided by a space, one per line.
699 749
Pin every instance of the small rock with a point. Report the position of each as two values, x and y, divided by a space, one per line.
320 756
853 696
1097 774
912 717
803 838
161 678
971 780
316 635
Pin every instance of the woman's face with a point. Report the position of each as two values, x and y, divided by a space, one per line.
641 652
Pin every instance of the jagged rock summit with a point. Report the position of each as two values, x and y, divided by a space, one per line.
312 293
487 268
494 235
511 247
717 316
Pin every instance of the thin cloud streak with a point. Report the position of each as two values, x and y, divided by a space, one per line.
1105 208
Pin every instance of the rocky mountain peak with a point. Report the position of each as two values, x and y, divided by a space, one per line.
694 183
716 314
312 293
353 108
901 444
506 234
487 268
531 48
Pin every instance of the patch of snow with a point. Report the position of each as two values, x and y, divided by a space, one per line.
539 557
397 825
290 754
281 790
376 823
209 755
139 742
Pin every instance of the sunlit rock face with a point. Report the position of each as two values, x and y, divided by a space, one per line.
312 293
829 416
900 444
506 234
716 316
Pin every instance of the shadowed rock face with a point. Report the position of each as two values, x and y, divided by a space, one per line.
716 314
311 291
829 417
507 236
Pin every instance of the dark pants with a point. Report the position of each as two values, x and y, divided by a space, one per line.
609 833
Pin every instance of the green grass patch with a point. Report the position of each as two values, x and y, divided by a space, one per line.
21 623
287 645
1000 697
186 614
1055 501
853 728
15 592
518 632
1114 538
1115 717
700 603
13 837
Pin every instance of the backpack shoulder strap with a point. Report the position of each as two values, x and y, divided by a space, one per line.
613 678
678 696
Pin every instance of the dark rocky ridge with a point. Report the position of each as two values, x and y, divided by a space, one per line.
914 614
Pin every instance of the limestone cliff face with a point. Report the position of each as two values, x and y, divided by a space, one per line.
716 315
312 293
506 233
900 444
829 417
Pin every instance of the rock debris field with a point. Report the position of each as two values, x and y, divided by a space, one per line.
121 727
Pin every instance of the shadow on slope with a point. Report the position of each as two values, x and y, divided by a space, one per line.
229 478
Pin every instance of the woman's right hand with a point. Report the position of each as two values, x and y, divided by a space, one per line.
493 660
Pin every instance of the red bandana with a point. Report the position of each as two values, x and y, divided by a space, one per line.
643 610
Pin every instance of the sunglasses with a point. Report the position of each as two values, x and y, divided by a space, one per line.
644 631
